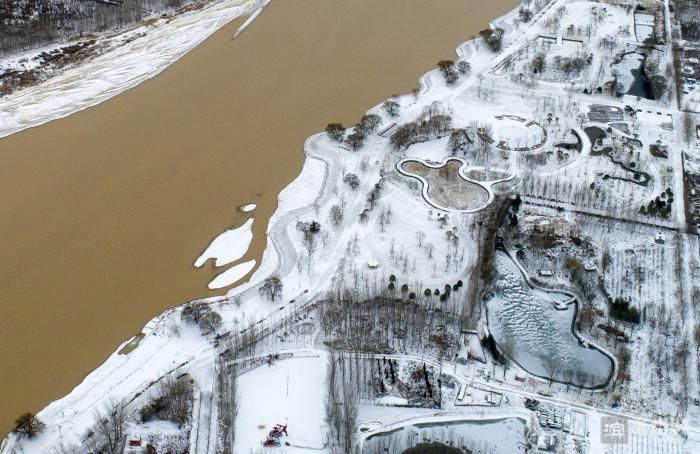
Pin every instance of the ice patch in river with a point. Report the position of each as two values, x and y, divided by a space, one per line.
229 246
248 207
231 275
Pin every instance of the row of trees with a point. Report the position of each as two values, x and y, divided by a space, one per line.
356 139
201 314
341 404
227 399
173 402
432 124
493 37
451 71
383 325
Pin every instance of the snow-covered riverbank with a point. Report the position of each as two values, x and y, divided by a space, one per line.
137 55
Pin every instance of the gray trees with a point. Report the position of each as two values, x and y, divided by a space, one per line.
28 424
447 67
309 242
538 62
336 215
688 125
335 131
460 140
356 139
109 425
391 107
551 366
227 394
492 37
341 404
581 378
507 347
202 315
210 322
352 180
659 85
174 402
271 288
369 123
32 23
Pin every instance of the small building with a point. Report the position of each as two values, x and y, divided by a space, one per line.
659 238
546 273
372 264
590 266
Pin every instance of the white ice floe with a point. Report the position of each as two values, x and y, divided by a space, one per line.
231 275
248 207
229 246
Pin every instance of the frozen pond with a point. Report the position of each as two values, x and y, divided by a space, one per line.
497 436
542 337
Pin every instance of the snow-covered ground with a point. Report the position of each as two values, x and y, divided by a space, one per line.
289 392
379 239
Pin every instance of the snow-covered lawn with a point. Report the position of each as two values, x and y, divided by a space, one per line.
291 392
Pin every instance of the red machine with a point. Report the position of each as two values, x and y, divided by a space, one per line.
273 438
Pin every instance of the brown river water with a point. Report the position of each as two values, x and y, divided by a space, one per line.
104 212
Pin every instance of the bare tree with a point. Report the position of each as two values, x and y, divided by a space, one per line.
369 123
459 140
271 288
335 131
391 107
421 237
507 347
356 139
110 424
28 424
336 215
551 366
688 126
341 403
463 67
227 393
352 180
309 242
210 322
447 67
173 403
581 379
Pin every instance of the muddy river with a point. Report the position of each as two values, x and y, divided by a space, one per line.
104 212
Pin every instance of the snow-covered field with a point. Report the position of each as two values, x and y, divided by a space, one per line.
289 392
